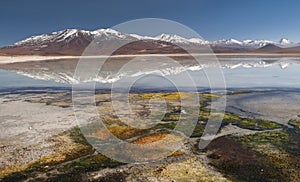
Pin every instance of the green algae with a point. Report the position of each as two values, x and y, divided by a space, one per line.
295 123
238 92
74 146
280 149
276 138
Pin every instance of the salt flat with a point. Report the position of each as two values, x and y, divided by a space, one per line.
26 128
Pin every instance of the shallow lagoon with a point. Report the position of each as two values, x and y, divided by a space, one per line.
246 73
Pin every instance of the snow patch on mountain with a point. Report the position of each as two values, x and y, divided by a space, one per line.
110 34
176 39
257 43
63 35
285 42
227 42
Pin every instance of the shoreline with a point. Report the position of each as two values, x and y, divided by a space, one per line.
28 58
49 89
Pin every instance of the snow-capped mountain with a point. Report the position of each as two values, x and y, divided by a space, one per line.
257 43
110 34
74 42
71 34
244 43
229 42
63 35
176 39
285 42
67 42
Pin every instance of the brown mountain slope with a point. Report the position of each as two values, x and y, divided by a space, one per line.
72 47
293 49
275 49
270 48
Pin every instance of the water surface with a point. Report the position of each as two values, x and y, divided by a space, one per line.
243 73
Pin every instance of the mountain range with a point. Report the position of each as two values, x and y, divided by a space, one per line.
74 42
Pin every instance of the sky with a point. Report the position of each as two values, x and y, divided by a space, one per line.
212 19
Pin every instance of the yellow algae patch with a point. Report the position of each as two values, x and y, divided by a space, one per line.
177 153
189 170
11 169
168 96
101 134
209 96
151 138
69 145
295 123
122 132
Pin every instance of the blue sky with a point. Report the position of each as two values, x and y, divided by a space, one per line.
212 19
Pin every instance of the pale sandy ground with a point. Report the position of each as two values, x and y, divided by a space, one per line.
18 59
15 59
25 128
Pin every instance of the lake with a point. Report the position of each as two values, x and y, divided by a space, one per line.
239 73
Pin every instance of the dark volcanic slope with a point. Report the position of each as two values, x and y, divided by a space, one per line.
71 47
224 49
270 48
77 46
275 49
293 49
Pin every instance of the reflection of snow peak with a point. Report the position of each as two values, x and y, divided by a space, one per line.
284 65
110 77
105 77
123 75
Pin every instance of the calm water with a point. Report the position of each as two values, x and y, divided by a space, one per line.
11 80
237 74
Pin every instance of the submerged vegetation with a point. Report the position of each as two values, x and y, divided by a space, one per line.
254 124
295 123
238 92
